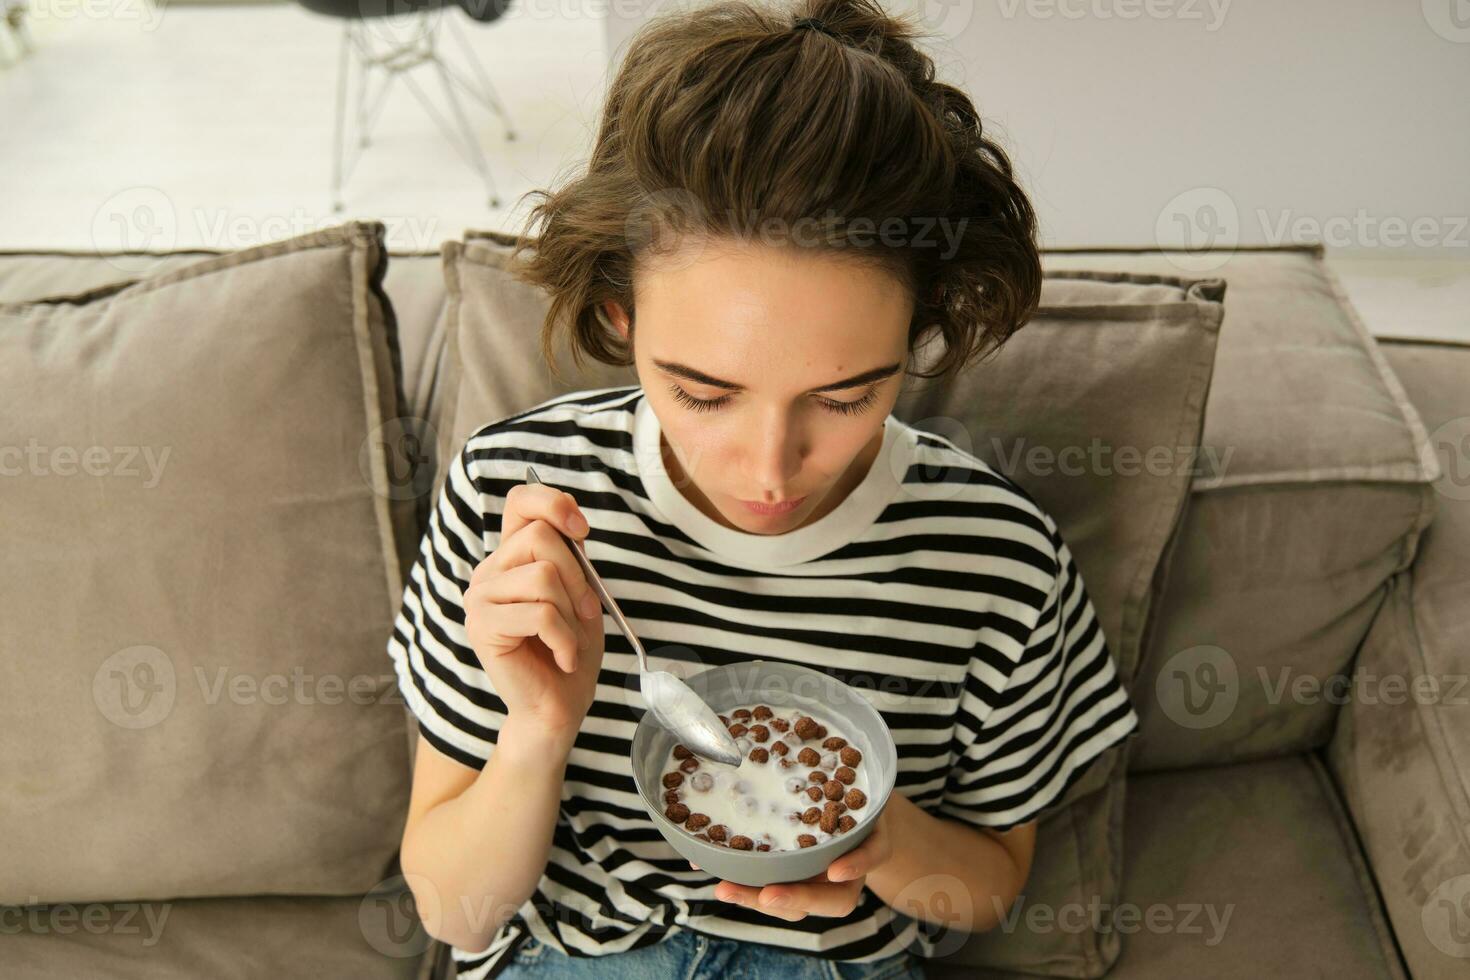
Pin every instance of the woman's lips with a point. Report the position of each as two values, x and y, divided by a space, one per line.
784 507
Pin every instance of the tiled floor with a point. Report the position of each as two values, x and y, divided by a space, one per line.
212 126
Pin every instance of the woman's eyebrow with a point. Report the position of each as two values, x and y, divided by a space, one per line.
699 377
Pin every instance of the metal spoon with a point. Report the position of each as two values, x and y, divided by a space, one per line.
673 703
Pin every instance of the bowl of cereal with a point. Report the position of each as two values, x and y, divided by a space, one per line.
818 766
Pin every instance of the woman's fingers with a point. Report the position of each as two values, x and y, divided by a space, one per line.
542 620
540 542
873 851
528 502
812 896
537 581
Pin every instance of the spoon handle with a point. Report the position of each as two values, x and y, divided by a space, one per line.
595 580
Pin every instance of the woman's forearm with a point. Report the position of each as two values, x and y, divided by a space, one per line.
932 857
484 851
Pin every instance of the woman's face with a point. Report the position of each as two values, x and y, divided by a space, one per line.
771 370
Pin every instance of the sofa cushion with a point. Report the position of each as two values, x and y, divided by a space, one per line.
491 363
1047 410
200 571
1266 844
413 283
1052 386
1320 495
1401 748
376 936
1246 870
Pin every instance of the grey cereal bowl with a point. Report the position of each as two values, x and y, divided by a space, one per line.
781 685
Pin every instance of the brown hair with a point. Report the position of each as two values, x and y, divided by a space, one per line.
734 110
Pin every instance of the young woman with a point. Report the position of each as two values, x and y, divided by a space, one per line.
825 209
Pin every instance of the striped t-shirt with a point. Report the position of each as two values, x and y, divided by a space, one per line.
937 588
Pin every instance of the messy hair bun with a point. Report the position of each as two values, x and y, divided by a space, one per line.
739 118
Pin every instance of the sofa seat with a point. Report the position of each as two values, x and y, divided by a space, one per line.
220 938
1265 843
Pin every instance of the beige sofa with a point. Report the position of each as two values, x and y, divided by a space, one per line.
1296 803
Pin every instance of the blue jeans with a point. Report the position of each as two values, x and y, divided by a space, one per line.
687 955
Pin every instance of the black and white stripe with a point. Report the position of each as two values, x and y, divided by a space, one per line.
957 609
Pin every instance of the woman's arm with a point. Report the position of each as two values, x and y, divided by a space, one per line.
991 866
476 843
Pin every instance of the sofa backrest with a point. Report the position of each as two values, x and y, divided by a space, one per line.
1311 490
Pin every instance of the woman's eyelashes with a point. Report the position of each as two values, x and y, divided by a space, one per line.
832 405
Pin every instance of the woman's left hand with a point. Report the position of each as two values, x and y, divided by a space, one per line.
833 892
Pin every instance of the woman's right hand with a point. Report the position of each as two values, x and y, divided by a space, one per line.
531 616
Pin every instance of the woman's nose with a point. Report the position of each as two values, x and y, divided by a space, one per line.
775 458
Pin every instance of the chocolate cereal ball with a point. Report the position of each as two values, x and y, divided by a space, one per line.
856 799
833 790
834 743
762 712
677 812
779 747
849 755
672 779
681 752
845 823
697 821
672 796
817 776
737 729
743 714
718 832
741 843
759 754
689 765
780 724
810 815
807 757
763 847
806 840
760 732
844 774
806 726
814 793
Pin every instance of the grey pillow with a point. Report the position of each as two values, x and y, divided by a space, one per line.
201 564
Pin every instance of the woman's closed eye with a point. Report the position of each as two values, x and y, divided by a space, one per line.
831 404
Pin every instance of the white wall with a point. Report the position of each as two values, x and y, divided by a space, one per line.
1254 121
